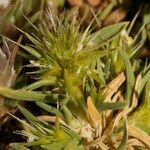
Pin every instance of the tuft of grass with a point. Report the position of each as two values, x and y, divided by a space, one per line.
92 77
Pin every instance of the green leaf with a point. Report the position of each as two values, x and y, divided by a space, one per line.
44 82
97 77
108 33
39 142
41 127
73 134
141 117
107 69
129 73
31 38
106 11
17 146
49 108
112 105
74 145
70 119
123 144
29 49
28 114
101 74
55 146
21 94
30 21
146 21
20 82
144 80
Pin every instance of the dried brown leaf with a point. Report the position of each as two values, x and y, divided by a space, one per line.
94 115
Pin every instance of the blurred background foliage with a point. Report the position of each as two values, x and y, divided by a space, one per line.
108 12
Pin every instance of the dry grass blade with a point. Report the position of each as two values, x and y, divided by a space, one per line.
52 119
139 134
117 97
109 91
136 91
15 51
134 142
126 111
104 119
130 148
94 116
103 146
7 72
95 142
3 109
113 86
